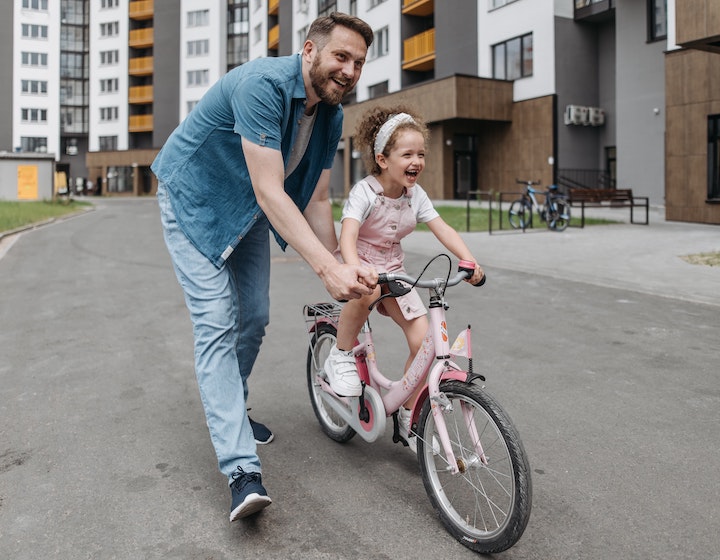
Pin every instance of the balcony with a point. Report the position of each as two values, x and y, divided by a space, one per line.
594 10
140 95
141 9
274 37
273 6
419 52
141 38
141 66
418 7
140 123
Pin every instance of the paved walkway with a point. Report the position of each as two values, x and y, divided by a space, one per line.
641 258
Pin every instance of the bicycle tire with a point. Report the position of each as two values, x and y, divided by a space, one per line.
558 214
330 421
486 507
520 214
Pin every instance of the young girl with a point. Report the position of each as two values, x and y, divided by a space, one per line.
381 209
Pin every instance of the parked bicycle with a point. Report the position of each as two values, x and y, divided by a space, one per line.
473 463
555 211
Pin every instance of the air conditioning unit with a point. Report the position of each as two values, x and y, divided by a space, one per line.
576 114
596 116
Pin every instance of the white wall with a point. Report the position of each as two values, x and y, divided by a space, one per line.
214 61
512 20
50 102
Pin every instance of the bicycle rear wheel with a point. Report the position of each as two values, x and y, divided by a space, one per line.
520 214
486 506
558 214
330 421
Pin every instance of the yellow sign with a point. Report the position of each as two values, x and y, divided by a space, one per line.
27 182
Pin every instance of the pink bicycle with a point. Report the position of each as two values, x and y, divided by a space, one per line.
473 463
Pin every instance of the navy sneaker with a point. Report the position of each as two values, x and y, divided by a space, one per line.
261 432
248 494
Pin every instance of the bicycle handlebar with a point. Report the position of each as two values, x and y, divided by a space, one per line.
462 274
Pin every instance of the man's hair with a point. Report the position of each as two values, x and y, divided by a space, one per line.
322 27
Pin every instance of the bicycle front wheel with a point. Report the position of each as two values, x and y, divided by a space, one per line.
558 214
520 215
486 505
330 421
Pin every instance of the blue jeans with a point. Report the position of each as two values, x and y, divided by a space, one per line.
229 308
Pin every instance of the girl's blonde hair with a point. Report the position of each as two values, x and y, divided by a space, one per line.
369 126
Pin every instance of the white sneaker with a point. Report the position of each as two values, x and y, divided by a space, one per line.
404 419
342 374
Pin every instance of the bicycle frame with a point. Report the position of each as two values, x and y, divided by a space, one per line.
386 395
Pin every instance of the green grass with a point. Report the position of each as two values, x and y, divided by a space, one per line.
17 214
456 216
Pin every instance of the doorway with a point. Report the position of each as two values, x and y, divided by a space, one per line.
464 166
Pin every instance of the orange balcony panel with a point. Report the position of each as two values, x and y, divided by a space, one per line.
140 95
273 7
419 51
141 66
418 7
274 37
141 9
141 38
140 123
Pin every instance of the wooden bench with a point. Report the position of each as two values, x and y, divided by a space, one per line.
608 198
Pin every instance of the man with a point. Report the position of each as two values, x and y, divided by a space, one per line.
255 155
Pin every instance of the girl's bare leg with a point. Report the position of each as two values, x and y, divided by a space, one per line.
352 317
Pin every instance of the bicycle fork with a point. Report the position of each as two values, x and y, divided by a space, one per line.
440 404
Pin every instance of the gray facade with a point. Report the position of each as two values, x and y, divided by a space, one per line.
640 94
10 170
456 39
166 70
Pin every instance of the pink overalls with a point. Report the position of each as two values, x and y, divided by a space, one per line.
378 243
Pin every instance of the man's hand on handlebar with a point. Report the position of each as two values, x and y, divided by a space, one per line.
350 281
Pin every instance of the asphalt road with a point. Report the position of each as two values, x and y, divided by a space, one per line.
104 451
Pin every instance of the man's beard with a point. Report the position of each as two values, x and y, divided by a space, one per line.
320 82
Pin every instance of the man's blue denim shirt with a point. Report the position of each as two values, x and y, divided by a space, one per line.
202 163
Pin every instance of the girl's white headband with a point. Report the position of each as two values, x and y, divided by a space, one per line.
388 128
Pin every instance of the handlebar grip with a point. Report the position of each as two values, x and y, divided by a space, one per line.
469 267
382 278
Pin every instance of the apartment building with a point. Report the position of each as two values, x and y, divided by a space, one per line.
577 92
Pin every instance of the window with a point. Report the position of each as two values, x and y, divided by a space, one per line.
34 59
200 47
109 114
257 33
104 4
191 105
109 58
199 18
110 29
33 115
513 59
198 77
238 18
373 3
34 31
34 87
376 90
500 3
657 20
109 85
107 143
326 7
35 5
713 157
238 50
33 144
379 45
